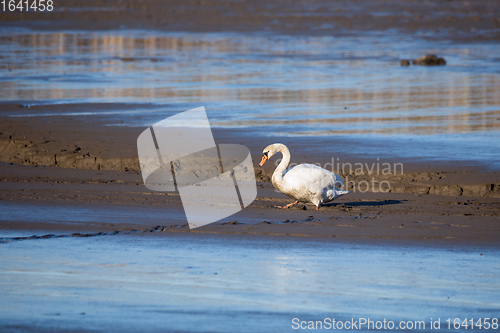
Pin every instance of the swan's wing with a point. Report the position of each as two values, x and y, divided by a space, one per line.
312 178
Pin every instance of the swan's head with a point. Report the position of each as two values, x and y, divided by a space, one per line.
269 151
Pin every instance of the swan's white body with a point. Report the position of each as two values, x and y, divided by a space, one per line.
307 183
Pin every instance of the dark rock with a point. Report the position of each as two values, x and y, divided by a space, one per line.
405 62
232 223
429 60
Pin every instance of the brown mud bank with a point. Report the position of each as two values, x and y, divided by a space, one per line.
59 202
87 143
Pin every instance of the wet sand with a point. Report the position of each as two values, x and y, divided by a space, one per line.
68 162
61 202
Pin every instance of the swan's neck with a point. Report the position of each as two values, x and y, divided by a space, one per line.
277 178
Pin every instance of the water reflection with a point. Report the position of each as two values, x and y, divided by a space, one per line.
304 85
210 283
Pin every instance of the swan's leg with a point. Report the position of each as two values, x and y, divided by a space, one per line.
291 204
288 206
317 207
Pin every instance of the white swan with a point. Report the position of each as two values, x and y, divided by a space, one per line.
306 183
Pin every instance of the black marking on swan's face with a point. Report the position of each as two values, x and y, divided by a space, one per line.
265 157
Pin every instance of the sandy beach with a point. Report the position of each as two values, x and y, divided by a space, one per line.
86 247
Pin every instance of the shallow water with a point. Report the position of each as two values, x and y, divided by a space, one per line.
340 87
202 283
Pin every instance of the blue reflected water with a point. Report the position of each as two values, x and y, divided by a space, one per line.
201 283
338 87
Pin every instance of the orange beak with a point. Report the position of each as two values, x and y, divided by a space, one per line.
264 159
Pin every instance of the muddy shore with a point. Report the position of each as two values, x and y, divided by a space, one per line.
73 142
69 162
